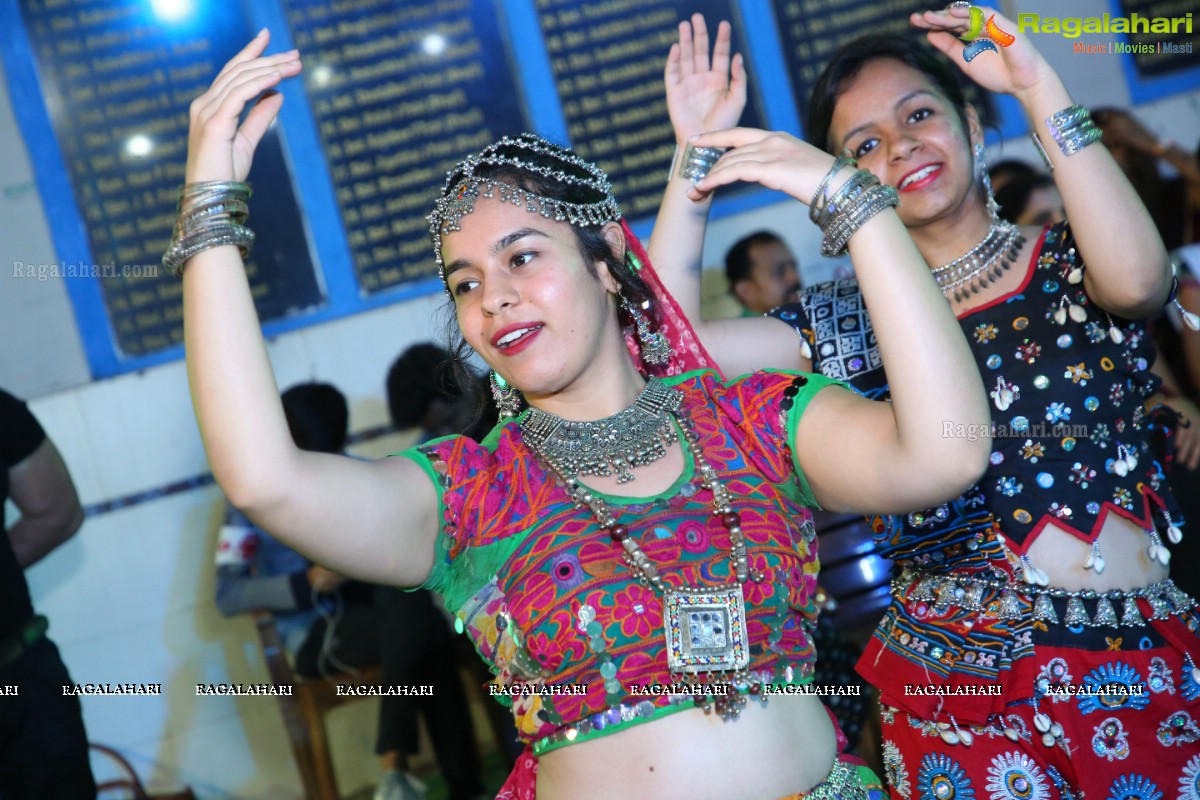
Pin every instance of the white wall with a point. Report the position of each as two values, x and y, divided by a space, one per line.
35 315
130 597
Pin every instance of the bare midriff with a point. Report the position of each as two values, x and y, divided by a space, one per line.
770 751
1062 555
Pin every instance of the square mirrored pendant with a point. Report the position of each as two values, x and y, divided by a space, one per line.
706 629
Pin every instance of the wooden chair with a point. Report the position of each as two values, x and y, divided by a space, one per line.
130 785
304 711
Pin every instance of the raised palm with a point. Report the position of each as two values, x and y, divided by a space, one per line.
1014 68
219 147
704 94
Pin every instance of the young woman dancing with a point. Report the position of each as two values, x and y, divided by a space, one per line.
1016 605
636 527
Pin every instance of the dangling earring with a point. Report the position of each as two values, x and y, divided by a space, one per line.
1189 319
655 347
981 168
507 399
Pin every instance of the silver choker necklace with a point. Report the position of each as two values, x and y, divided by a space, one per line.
982 264
631 438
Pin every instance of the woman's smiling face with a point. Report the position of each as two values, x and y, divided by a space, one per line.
896 123
526 299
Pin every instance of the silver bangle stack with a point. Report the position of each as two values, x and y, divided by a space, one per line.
856 201
211 214
1073 129
821 197
697 161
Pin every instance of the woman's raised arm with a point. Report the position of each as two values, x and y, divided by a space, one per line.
704 95
1128 272
373 520
932 440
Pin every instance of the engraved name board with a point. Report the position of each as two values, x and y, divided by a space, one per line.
401 92
811 30
607 58
118 82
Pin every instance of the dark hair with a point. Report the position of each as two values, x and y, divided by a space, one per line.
737 260
848 62
1011 169
317 416
419 376
1014 195
593 246
425 373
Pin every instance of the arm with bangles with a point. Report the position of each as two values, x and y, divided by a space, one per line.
385 511
1128 273
859 454
703 95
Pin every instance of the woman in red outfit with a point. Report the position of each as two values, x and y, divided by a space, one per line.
1035 647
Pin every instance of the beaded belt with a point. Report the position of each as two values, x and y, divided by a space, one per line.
967 592
843 783
595 723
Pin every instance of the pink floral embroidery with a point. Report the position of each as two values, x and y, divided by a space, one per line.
638 610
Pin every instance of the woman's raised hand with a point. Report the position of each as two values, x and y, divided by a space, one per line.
1012 66
703 94
218 148
775 160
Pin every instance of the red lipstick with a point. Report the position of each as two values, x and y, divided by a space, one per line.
931 173
508 344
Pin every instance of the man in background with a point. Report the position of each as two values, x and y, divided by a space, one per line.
43 744
426 392
762 273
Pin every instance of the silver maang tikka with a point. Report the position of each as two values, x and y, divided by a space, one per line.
463 187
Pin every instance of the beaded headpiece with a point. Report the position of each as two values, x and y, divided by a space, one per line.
463 187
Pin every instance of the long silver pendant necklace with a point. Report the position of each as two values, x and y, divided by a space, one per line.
704 626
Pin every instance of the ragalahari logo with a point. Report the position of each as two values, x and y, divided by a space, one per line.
983 36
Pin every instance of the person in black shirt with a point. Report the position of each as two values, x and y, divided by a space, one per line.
43 745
